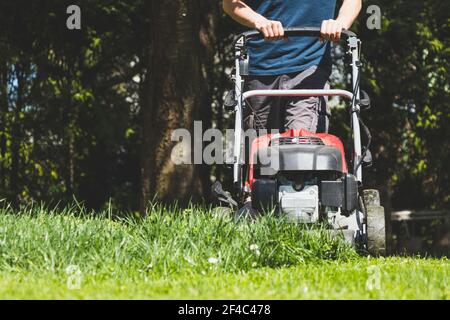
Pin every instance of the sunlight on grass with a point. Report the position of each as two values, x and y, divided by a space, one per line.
191 253
167 241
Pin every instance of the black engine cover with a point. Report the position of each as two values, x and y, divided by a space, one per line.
342 193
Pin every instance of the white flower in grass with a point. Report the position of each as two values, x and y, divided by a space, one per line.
254 264
189 260
74 277
255 249
213 260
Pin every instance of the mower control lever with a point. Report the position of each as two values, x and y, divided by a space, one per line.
222 195
230 100
364 101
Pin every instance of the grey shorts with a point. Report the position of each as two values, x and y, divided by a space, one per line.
310 113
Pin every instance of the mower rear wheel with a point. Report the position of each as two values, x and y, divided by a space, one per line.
222 212
375 223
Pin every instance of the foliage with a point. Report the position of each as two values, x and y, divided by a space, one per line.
407 65
72 103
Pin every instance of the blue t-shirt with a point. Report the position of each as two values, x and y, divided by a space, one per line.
297 53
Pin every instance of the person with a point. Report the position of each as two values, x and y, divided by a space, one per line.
295 63
277 62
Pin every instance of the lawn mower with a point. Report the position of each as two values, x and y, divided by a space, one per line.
305 176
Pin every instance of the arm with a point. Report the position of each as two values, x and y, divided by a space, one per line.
332 29
242 13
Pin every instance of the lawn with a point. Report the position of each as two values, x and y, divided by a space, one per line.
192 254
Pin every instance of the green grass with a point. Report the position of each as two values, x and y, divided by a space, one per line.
192 254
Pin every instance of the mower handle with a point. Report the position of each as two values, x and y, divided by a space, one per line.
293 32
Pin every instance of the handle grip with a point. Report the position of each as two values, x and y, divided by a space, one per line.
292 32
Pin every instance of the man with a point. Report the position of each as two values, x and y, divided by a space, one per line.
294 63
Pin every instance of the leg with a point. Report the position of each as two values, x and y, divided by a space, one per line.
311 113
262 112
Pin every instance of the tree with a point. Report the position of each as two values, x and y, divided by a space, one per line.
177 94
406 72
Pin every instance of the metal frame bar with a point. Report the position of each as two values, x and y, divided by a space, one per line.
238 126
298 93
409 215
353 45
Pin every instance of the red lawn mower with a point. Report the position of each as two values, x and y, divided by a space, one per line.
302 175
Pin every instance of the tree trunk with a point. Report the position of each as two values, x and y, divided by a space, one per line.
3 125
175 98
16 138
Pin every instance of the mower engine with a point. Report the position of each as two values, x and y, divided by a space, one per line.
303 175
301 206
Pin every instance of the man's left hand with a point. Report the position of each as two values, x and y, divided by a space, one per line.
331 30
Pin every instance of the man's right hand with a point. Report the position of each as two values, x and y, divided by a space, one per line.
272 30
242 13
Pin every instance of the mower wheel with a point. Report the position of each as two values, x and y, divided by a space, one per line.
375 223
222 212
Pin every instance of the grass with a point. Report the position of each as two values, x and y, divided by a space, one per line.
192 254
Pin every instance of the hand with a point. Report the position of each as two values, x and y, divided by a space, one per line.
272 30
331 30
